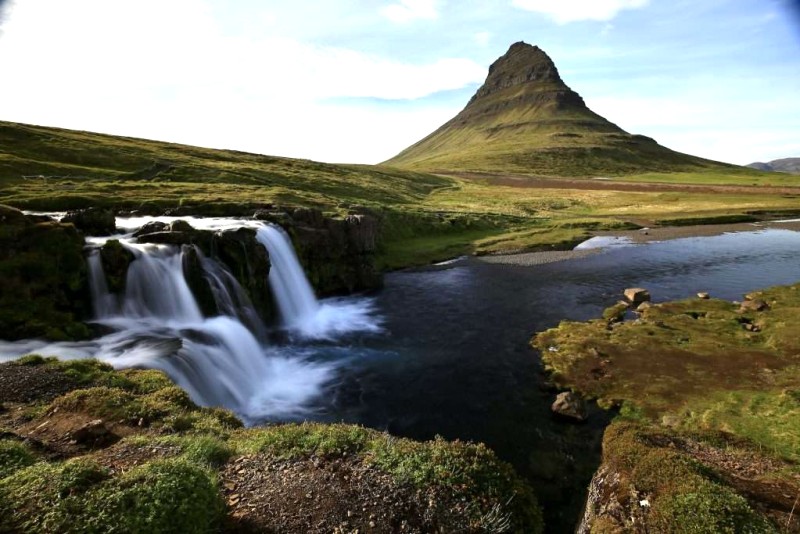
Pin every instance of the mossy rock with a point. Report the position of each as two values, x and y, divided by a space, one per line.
43 280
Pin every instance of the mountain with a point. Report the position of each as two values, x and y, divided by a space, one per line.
525 119
790 165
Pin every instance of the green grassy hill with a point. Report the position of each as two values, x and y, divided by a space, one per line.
53 168
424 217
524 119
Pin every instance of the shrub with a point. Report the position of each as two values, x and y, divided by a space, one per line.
13 456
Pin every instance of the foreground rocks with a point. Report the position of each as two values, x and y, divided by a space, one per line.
128 450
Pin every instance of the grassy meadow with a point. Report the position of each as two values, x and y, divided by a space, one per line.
426 217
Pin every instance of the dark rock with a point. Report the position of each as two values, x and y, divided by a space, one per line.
308 216
197 281
115 259
93 221
637 295
248 261
337 255
93 434
180 226
44 290
151 228
570 405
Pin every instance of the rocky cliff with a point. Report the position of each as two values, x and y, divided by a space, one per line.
43 279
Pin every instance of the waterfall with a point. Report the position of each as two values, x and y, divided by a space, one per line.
223 360
104 302
293 294
219 360
299 309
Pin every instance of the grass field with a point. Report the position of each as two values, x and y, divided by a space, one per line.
426 217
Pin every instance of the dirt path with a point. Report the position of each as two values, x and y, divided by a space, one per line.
514 180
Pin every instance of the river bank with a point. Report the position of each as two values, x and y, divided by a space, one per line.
709 428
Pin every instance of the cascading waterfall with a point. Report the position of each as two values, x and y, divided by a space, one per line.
300 311
219 361
293 293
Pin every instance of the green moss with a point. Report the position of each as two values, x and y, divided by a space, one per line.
710 509
79 496
146 380
684 495
32 360
165 496
305 440
14 456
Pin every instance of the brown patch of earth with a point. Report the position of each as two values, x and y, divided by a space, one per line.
26 383
124 456
341 495
537 182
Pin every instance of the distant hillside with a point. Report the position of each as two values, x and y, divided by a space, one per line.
790 165
524 119
58 168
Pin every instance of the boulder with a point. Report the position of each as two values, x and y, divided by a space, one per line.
180 226
95 433
115 259
637 295
570 405
151 228
93 221
754 305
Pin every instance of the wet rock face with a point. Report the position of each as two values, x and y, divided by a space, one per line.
338 255
115 259
93 221
238 250
43 279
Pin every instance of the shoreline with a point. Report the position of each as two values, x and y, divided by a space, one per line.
634 237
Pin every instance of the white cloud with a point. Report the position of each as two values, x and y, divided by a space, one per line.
564 11
408 10
167 70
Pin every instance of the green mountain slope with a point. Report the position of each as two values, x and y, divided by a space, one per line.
54 168
524 119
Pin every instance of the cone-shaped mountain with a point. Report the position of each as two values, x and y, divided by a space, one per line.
525 119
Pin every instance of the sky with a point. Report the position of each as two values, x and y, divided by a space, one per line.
359 80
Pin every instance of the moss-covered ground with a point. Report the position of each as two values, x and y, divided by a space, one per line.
426 217
708 393
156 462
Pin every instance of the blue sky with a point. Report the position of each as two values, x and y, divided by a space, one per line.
358 80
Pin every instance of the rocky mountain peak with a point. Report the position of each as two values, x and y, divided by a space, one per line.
522 64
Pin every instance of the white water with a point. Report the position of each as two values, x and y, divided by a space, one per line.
223 360
299 309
